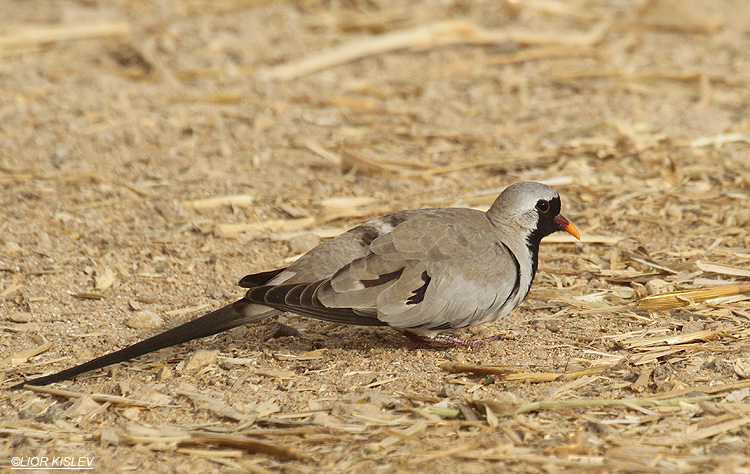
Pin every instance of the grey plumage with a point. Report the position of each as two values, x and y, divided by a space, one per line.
421 270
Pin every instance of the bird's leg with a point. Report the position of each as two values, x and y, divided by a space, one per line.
418 342
441 341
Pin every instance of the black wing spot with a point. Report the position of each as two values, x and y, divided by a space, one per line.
418 295
259 279
382 279
395 219
369 234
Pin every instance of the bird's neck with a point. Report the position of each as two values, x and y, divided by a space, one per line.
532 242
533 246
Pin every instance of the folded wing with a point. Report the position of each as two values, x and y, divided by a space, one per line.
433 271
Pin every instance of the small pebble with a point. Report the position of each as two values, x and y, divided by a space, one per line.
148 298
144 320
21 317
199 359
134 305
656 286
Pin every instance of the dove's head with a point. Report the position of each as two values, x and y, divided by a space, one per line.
533 209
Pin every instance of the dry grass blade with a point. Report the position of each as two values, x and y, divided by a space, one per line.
367 47
210 98
709 390
12 288
722 269
354 160
244 443
687 437
586 403
22 356
500 370
310 355
87 295
315 147
664 15
28 35
218 407
511 374
423 37
379 44
211 453
398 436
678 339
97 397
718 141
346 206
162 437
218 201
542 53
511 160
653 356
442 454
678 299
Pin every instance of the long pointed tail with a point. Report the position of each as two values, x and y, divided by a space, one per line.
212 323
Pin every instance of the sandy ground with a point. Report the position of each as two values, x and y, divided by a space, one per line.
118 120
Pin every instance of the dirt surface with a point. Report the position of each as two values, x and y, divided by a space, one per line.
117 120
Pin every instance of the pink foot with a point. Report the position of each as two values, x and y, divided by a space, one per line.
442 341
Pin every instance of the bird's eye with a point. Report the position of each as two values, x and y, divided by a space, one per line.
542 206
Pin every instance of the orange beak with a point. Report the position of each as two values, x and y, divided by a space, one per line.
567 226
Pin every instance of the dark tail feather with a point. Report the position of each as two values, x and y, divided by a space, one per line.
212 323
